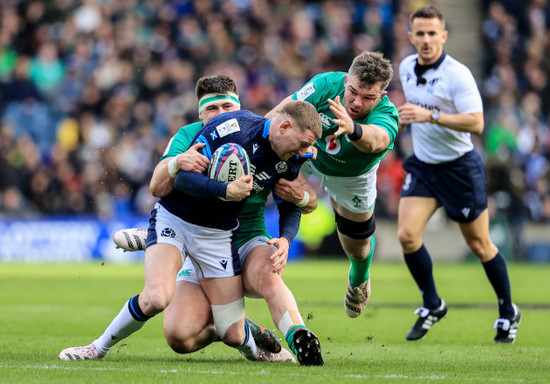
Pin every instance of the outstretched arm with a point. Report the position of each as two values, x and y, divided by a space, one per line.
367 138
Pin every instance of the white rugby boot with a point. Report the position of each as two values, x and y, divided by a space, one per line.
88 352
283 355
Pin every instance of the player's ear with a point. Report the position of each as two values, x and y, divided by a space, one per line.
286 125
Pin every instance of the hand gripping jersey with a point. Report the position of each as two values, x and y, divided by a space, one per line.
337 156
198 205
449 88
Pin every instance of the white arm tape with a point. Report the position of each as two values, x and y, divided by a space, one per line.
302 203
173 167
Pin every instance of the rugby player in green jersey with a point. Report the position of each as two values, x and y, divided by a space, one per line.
360 125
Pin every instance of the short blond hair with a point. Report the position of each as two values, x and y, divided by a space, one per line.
304 115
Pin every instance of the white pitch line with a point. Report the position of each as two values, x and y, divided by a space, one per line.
265 372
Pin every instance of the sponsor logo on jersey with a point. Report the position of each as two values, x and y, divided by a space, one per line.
255 147
325 120
306 91
257 187
332 145
168 232
223 264
262 176
184 272
281 167
227 127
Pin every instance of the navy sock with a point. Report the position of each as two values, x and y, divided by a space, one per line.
497 273
135 310
420 266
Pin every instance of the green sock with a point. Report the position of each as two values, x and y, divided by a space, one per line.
290 337
359 272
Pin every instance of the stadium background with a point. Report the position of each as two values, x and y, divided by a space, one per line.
91 91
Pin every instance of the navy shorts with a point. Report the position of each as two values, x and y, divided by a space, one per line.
460 186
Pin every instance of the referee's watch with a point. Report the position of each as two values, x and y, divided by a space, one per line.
434 117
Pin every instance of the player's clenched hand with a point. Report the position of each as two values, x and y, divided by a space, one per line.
280 257
239 189
344 122
291 191
410 113
192 160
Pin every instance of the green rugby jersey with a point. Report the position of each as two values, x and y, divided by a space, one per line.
338 156
180 142
251 218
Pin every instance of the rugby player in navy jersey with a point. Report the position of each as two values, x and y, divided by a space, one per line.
272 146
444 108
280 142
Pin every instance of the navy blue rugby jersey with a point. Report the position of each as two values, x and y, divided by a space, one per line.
194 199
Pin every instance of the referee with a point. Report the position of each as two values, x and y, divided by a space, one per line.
444 108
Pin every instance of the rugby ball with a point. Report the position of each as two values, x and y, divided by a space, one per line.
228 163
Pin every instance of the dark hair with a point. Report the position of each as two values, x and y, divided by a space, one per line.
215 84
371 68
428 12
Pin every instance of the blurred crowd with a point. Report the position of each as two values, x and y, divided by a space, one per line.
92 90
516 90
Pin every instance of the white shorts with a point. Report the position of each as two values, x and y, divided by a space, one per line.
212 251
187 272
355 193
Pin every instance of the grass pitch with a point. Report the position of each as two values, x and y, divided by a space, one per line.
45 308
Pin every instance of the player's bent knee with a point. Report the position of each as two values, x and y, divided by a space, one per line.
355 230
179 345
154 303
226 315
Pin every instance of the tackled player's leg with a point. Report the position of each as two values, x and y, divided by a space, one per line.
259 280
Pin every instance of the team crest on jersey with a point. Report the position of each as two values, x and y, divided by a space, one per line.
168 232
332 144
281 167
228 127
325 120
306 91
